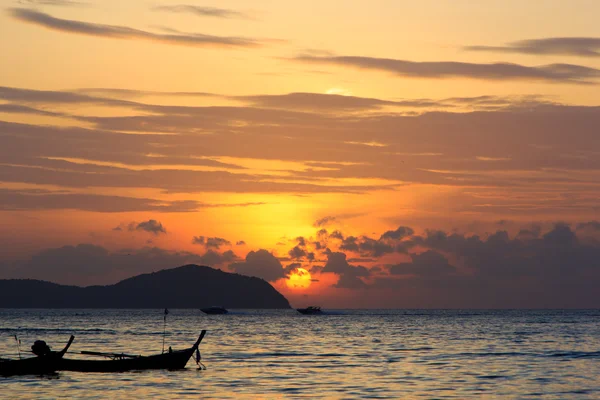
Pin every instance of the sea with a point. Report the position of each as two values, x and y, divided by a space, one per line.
273 354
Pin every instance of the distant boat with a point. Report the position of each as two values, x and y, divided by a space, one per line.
46 362
119 362
214 310
310 310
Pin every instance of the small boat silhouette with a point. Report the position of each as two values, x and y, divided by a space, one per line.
310 310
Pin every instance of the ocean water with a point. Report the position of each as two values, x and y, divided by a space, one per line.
431 354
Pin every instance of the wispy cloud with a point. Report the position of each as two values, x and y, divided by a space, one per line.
52 96
47 200
202 11
123 32
39 199
323 221
64 3
318 101
21 109
567 46
555 73
131 93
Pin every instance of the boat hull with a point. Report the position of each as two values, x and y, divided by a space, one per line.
120 363
309 311
28 366
171 361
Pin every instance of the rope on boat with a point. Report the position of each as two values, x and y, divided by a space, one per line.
198 362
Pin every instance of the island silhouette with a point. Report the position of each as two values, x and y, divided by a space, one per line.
189 286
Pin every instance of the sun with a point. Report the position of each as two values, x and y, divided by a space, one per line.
299 279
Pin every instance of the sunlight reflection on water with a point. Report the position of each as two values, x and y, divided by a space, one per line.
350 354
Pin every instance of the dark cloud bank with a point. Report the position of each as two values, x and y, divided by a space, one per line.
88 264
553 269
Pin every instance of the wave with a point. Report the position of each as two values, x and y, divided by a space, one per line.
81 331
574 354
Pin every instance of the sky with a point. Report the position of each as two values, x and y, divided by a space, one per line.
355 154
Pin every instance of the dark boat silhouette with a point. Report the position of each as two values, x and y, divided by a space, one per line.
124 362
214 310
46 362
310 310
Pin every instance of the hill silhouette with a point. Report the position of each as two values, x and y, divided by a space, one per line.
189 286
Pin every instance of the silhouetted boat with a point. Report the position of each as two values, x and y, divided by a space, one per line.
214 310
46 361
310 310
125 362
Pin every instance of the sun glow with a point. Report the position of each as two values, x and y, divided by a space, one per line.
299 279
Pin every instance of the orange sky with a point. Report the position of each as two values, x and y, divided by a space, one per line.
139 128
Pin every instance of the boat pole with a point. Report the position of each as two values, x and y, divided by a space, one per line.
164 329
18 346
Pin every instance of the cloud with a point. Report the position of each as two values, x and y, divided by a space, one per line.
201 240
553 270
554 73
213 258
211 242
565 46
240 243
349 244
201 11
216 149
374 248
297 253
69 3
123 32
46 200
428 263
369 247
140 93
21 109
88 264
324 222
553 267
349 276
333 102
150 226
336 235
261 264
54 96
292 267
593 226
401 232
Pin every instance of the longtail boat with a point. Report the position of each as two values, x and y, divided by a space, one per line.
46 362
119 362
